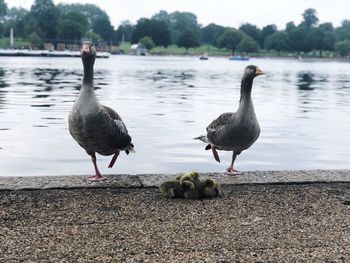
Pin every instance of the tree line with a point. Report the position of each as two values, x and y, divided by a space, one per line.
46 21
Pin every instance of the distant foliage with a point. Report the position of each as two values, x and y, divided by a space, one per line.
157 30
46 14
310 18
248 45
103 27
230 39
72 22
343 48
278 41
211 32
253 31
3 9
147 42
35 40
124 31
188 39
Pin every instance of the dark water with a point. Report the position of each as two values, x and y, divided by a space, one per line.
303 110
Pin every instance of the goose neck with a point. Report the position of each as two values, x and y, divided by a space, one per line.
88 76
246 88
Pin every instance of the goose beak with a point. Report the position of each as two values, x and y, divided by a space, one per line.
258 72
86 48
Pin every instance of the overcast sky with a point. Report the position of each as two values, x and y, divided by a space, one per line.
222 12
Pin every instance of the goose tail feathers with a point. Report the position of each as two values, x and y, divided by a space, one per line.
130 149
202 138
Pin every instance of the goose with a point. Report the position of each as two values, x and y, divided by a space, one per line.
235 131
95 127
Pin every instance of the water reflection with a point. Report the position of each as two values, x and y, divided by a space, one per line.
305 81
3 86
165 102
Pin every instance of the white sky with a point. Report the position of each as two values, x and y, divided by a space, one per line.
222 12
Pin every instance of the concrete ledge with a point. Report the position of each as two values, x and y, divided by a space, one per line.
154 180
66 182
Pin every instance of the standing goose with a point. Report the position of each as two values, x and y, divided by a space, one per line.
235 131
96 128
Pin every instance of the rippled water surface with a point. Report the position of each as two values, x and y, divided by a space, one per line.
303 110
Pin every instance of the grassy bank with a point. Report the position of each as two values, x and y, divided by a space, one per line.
18 43
214 51
175 50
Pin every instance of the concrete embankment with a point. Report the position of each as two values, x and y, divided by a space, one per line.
271 216
154 180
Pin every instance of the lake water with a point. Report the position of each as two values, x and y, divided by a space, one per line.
303 110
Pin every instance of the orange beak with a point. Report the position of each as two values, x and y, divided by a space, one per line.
258 72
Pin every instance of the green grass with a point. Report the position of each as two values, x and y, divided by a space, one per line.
125 47
18 43
175 50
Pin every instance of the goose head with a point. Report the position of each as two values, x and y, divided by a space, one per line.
251 71
88 55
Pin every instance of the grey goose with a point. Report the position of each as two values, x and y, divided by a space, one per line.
95 127
235 131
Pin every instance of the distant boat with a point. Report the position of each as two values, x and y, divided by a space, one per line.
242 58
204 57
45 53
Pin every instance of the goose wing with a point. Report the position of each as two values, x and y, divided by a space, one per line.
221 121
117 132
218 131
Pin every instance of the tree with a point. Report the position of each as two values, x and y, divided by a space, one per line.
93 36
290 26
310 18
248 44
162 15
343 32
124 31
298 39
3 9
46 14
15 18
31 25
104 28
77 17
157 30
72 26
230 38
252 31
188 39
92 12
35 40
147 42
211 32
180 21
70 30
267 31
343 48
324 37
278 41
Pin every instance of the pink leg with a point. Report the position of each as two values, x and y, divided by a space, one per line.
230 170
98 177
215 153
115 156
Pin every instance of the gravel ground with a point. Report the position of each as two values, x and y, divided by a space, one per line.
251 223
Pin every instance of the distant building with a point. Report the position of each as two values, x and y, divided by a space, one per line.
49 46
61 46
73 47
